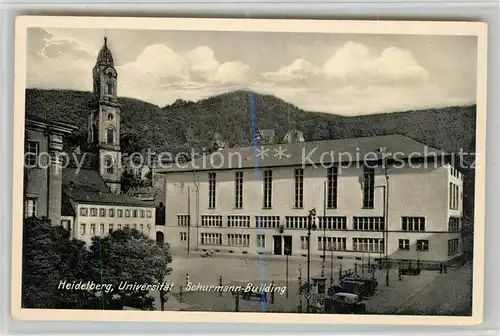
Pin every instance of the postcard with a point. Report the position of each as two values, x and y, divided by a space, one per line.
251 170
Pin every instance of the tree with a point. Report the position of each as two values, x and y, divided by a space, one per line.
129 257
50 257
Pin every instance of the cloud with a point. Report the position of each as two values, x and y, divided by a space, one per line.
354 63
353 80
300 69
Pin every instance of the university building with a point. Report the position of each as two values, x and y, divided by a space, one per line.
372 196
87 200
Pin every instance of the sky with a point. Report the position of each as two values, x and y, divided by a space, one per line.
345 74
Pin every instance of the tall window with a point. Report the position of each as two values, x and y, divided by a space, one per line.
30 207
368 187
299 188
332 187
268 188
211 190
31 155
110 135
109 165
238 192
110 88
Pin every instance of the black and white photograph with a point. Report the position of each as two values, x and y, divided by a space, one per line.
301 170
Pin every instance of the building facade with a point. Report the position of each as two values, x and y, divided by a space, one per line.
104 118
42 172
363 209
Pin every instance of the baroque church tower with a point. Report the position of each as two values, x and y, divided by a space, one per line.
104 119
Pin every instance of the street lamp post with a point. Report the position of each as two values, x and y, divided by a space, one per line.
300 287
310 226
324 230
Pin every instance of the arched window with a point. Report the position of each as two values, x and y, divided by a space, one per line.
110 135
109 165
110 88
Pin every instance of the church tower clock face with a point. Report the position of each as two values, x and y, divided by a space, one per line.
104 130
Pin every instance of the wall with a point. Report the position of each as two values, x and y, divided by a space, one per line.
418 192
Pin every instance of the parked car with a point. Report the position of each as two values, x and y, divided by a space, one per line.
370 285
344 303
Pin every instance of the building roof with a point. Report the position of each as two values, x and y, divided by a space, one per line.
105 58
308 153
87 186
37 123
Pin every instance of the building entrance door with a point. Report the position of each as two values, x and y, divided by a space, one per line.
288 244
277 245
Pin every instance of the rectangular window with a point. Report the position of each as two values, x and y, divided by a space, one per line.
149 229
93 212
149 213
332 223
119 226
82 229
119 213
111 227
83 212
142 213
127 213
332 187
92 229
454 224
413 223
135 226
368 187
142 228
368 223
268 189
134 213
211 220
303 242
261 240
267 222
111 212
183 236
102 212
453 246
31 156
30 207
102 228
404 244
238 190
183 220
211 238
332 243
368 244
299 188
296 222
237 239
211 190
422 245
238 221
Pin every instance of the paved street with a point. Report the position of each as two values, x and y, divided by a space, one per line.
423 294
449 294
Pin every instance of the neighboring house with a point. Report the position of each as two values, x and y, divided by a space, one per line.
42 172
413 214
90 208
293 136
266 136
